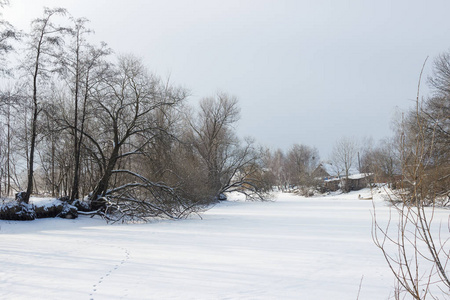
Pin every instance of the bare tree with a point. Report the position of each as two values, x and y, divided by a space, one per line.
343 158
384 162
300 163
83 65
213 137
273 164
435 117
8 34
243 172
278 167
225 161
10 99
44 37
55 155
125 105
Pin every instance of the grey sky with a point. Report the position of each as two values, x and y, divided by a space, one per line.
304 71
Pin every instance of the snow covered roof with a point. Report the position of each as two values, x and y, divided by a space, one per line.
353 176
359 175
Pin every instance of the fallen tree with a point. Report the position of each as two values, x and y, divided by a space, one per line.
22 211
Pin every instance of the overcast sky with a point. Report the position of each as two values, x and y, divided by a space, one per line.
304 72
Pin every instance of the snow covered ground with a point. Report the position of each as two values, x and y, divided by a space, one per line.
292 248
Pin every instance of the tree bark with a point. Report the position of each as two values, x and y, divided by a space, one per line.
75 186
102 186
27 195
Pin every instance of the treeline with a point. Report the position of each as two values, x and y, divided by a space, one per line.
415 161
79 122
293 169
82 122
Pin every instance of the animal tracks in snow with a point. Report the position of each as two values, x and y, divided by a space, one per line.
95 287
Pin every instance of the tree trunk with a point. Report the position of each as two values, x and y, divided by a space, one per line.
102 186
74 194
8 158
53 167
27 195
75 186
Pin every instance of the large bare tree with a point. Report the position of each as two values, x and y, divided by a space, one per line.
125 105
228 164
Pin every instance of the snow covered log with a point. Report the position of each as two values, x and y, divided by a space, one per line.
20 211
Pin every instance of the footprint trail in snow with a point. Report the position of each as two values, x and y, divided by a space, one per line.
104 277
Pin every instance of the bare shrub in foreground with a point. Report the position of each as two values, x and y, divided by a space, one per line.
417 249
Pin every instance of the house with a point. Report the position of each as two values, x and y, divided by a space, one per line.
332 184
355 182
321 172
333 181
359 181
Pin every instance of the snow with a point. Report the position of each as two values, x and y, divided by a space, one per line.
45 202
353 176
291 248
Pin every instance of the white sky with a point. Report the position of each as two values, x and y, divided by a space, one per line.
304 71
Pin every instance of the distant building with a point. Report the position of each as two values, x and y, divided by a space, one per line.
355 182
359 181
321 172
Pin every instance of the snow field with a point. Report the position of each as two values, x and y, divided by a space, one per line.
292 248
